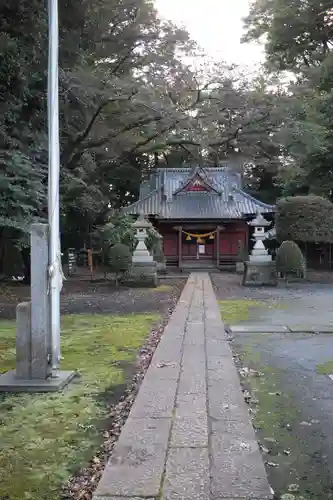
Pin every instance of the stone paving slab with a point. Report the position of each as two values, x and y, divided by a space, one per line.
189 434
257 328
311 328
138 459
187 475
264 328
237 466
126 498
190 431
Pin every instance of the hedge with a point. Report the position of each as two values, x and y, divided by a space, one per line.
304 219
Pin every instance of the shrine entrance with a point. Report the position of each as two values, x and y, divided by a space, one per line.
199 246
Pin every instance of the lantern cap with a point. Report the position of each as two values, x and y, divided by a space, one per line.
141 223
259 221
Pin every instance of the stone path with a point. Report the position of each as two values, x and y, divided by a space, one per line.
189 435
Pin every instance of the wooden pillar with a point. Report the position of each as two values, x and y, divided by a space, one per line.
218 232
180 245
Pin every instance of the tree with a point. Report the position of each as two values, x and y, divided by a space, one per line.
304 219
297 34
127 101
298 39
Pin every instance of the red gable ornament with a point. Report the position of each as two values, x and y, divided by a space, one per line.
196 185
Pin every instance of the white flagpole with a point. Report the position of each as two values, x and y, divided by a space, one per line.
53 182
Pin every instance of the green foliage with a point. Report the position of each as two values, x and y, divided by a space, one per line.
304 218
119 115
119 259
155 245
298 37
298 33
120 230
50 436
12 261
290 260
22 192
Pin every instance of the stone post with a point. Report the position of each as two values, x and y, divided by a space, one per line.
33 333
23 340
40 315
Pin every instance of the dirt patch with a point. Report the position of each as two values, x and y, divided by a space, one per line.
82 296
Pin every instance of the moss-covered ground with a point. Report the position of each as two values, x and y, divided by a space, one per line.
235 310
45 438
325 368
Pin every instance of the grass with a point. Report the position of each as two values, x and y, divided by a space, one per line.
234 311
325 368
161 289
46 438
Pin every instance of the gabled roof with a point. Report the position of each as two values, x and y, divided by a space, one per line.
166 196
198 179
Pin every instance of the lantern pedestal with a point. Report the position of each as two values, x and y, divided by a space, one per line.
259 274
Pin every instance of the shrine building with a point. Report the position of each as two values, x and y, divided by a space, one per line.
201 213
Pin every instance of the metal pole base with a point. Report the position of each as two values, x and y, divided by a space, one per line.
9 382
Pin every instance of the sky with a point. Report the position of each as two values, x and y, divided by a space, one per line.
216 25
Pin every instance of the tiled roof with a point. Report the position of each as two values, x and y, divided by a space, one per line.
228 201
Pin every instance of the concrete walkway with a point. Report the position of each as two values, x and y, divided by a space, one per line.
189 435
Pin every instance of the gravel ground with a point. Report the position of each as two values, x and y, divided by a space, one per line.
82 296
292 360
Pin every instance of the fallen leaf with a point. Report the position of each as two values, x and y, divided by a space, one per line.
293 488
270 440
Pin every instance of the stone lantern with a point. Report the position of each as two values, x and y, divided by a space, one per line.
260 269
259 252
141 253
143 268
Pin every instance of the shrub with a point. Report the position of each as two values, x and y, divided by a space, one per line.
290 260
119 260
304 218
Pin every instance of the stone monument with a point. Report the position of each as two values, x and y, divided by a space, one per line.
144 268
259 269
33 329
